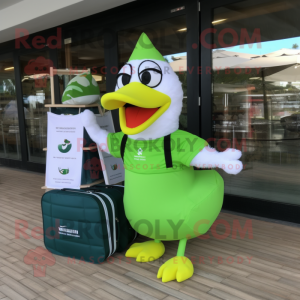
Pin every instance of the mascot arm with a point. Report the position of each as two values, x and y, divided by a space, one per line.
211 158
98 135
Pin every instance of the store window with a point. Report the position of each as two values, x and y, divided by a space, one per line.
9 123
83 54
35 79
256 96
169 37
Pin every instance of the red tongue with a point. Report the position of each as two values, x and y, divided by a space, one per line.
136 116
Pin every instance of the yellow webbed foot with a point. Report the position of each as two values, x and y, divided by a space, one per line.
147 251
178 267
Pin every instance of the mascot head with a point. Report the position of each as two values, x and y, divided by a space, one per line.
148 94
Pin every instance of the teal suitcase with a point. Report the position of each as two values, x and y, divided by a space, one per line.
87 224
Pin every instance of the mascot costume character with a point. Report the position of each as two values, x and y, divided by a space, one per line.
165 198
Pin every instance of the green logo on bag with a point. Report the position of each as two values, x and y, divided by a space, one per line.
63 171
66 147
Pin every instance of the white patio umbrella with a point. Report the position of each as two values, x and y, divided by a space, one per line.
282 52
268 62
225 53
227 62
221 59
180 64
290 74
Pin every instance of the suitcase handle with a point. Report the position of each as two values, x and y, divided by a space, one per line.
102 186
90 188
108 185
66 189
97 190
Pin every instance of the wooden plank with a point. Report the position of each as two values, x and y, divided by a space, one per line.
193 292
69 72
12 273
19 287
147 289
57 294
130 290
112 290
76 295
223 295
111 274
244 287
7 291
222 287
33 285
161 287
84 148
261 286
108 296
72 105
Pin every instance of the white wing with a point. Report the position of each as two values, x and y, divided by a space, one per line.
211 158
98 135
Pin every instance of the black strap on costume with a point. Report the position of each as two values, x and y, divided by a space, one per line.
167 150
123 144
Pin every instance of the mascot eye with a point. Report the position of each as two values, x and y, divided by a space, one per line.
123 79
124 76
150 73
150 77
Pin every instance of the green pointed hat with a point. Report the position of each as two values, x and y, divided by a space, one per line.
144 49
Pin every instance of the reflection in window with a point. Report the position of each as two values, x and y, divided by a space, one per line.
83 55
9 124
256 96
35 77
169 38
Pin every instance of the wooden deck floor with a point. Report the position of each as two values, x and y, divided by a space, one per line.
264 267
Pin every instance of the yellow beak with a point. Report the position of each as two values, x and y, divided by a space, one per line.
139 95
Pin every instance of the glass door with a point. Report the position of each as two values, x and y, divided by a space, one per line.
9 124
256 96
35 81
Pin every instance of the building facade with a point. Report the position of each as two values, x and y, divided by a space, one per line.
237 61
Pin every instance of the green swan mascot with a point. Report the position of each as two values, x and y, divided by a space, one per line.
165 199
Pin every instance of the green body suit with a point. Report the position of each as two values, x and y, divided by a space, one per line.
168 203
